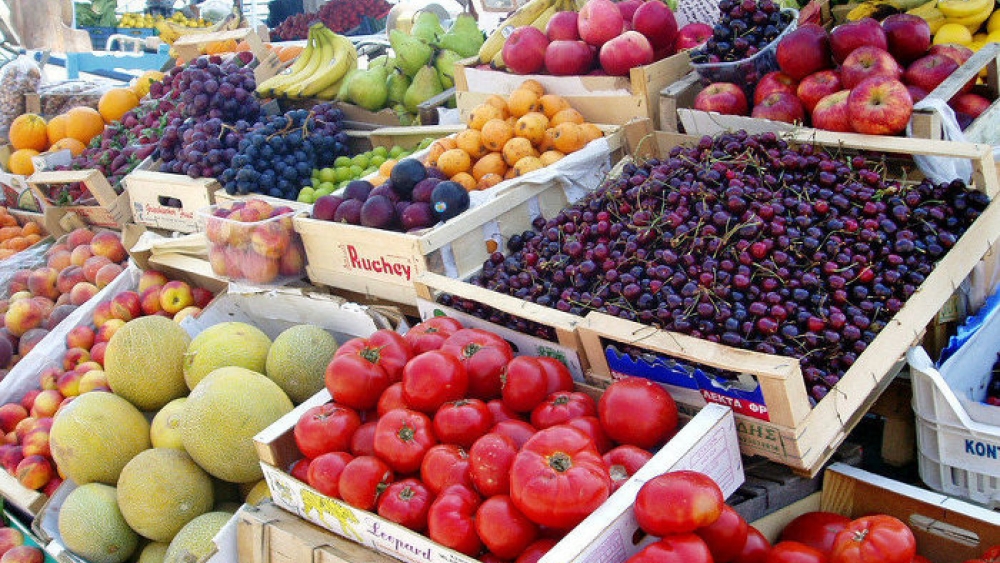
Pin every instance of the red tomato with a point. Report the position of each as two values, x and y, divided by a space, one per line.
536 550
755 549
300 470
678 502
879 538
432 379
623 462
501 412
561 407
402 437
462 422
356 382
431 334
490 459
385 348
363 440
450 520
525 384
324 472
794 552
445 465
556 374
677 548
326 428
725 537
816 529
484 355
517 430
406 502
637 411
392 398
362 480
991 555
556 464
592 427
503 528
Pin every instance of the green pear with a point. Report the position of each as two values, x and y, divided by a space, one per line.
405 117
445 65
397 83
427 27
382 60
464 37
411 53
368 89
425 86
345 84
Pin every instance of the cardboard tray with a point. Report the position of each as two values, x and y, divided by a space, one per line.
111 211
169 201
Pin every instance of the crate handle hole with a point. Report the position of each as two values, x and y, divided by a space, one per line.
638 535
170 202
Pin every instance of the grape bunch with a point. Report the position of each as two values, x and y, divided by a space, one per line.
209 87
200 149
746 241
295 27
745 27
278 156
340 16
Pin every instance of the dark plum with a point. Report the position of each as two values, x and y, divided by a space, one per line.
417 215
385 190
378 212
325 207
448 200
405 175
349 212
435 172
358 189
422 191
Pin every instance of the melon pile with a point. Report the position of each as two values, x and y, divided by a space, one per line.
168 486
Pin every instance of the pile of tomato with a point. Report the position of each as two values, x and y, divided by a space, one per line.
447 432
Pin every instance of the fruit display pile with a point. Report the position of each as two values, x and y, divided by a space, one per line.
254 241
340 16
377 162
764 246
13 541
744 29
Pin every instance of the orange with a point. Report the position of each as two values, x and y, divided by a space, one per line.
552 104
471 141
31 228
75 147
533 85
141 86
569 138
387 167
498 101
56 128
527 164
438 148
83 124
551 157
492 163
33 238
29 131
289 53
454 161
516 149
496 132
483 113
591 131
115 103
569 115
242 46
522 101
466 180
532 126
488 181
20 162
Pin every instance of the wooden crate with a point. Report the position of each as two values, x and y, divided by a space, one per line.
600 99
774 416
188 47
169 201
111 211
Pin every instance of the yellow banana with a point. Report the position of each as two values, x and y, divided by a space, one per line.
929 12
542 21
974 21
524 15
267 87
331 92
964 8
325 53
876 9
329 72
497 61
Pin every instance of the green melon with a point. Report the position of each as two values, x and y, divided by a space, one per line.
298 358
92 526
225 344
194 542
144 362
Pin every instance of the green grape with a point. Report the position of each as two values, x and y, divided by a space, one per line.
380 151
369 171
342 161
376 160
343 173
307 194
327 174
360 160
356 171
395 151
425 142
326 186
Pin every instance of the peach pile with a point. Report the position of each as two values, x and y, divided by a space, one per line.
13 548
254 241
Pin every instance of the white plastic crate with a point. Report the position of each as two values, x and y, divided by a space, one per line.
958 436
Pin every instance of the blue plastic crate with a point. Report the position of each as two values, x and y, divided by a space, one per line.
137 31
99 36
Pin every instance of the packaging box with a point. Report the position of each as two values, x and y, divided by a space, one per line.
110 211
169 201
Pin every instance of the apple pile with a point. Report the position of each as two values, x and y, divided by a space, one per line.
13 548
254 241
862 76
76 268
616 36
25 424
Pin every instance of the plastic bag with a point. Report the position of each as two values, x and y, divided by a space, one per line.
215 10
59 97
19 77
29 258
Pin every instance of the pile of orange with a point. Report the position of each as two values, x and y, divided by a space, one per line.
284 53
509 137
15 238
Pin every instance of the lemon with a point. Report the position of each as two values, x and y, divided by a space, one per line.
953 33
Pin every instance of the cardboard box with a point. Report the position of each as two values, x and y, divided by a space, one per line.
169 201
111 210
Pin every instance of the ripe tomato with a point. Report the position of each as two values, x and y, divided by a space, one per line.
490 459
391 398
356 382
385 348
816 529
445 465
677 548
324 472
406 502
755 548
402 437
592 427
525 384
880 538
431 334
991 555
484 355
462 422
555 464
561 407
637 411
363 440
503 528
432 379
725 537
363 480
678 502
623 462
536 550
517 430
326 428
501 412
794 552
556 374
300 469
450 520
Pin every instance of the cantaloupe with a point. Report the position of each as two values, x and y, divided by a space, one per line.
298 358
92 526
165 429
225 344
194 541
144 362
154 552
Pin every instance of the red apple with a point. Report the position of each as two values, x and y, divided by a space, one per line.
202 296
656 21
623 53
780 106
816 86
879 105
524 50
176 295
775 81
847 37
561 27
126 306
804 51
599 21
959 53
150 300
866 62
97 352
29 399
692 35
907 36
970 104
929 71
627 9
568 58
722 97
186 312
151 278
916 94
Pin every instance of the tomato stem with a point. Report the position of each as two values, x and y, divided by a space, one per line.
560 461
373 355
407 433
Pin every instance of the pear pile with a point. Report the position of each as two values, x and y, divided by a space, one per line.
422 67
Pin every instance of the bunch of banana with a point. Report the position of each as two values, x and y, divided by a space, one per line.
318 70
970 13
172 31
881 9
535 13
930 13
